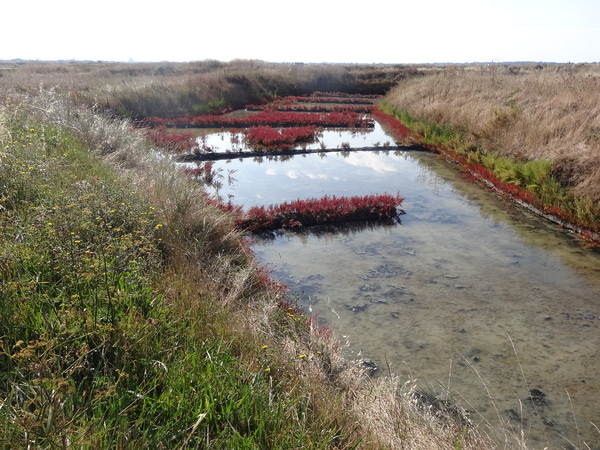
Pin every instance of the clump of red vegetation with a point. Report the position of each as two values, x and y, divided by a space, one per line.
345 100
171 141
263 137
319 102
301 107
267 117
326 210
394 125
326 98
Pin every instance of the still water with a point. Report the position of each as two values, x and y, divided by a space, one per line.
467 295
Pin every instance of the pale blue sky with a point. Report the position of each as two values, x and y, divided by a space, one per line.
375 31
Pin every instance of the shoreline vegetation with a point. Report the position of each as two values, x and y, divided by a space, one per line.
132 312
530 133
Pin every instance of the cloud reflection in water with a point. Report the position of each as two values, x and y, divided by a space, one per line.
371 160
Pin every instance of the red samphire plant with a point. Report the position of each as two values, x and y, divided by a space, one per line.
171 141
272 138
321 211
268 117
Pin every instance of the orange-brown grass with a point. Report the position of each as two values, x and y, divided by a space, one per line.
523 112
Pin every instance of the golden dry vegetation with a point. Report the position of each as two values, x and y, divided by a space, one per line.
526 112
167 89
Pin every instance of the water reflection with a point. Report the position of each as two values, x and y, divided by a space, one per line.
276 180
222 140
328 233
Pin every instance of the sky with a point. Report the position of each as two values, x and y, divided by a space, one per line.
310 31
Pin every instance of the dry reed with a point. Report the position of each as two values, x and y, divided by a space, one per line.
523 112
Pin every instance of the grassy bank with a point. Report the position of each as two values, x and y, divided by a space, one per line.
132 313
532 127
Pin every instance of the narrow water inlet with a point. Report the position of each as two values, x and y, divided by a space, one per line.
468 295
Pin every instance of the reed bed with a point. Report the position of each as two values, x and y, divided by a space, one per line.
141 90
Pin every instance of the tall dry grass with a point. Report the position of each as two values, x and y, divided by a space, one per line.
523 112
140 90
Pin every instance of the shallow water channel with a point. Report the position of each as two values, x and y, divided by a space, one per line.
467 295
